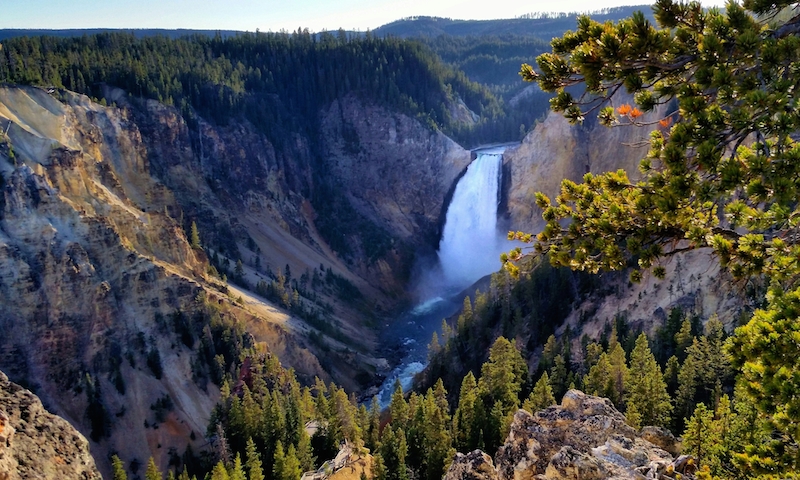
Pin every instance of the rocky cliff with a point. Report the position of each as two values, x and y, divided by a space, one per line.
555 150
585 438
395 170
108 309
37 444
91 265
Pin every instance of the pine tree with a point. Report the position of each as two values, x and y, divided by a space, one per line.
291 465
633 417
437 439
378 467
372 436
305 453
465 318
466 429
253 464
683 339
152 472
237 471
645 390
549 352
502 375
433 347
219 472
618 369
598 381
690 379
447 333
398 408
700 439
184 474
194 236
497 425
417 455
118 469
322 406
671 372
558 376
592 355
541 396
278 461
343 420
393 452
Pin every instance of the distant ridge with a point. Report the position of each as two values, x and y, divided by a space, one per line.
542 25
138 32
536 24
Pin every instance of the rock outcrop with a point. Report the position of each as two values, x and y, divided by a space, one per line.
397 173
475 465
37 444
555 150
585 438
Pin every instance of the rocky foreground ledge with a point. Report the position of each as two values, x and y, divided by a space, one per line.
584 438
34 443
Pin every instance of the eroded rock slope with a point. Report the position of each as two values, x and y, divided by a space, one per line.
107 307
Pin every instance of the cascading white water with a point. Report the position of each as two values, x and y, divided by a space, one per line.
470 247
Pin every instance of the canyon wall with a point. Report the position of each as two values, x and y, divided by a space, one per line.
555 150
99 280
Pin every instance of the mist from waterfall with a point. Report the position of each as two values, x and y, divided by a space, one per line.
470 246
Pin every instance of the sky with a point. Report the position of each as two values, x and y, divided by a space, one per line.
270 15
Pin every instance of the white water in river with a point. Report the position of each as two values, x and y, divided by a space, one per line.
469 249
470 246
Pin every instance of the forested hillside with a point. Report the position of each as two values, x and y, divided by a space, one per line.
490 51
542 24
218 73
264 77
277 82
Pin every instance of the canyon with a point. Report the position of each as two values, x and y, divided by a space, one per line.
97 269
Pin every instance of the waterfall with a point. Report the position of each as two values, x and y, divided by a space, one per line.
469 249
470 246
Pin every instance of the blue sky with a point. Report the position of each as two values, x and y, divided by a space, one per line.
268 15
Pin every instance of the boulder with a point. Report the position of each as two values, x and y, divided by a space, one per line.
475 465
570 464
581 421
34 443
663 438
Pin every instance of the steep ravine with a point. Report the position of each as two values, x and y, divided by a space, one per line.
97 276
